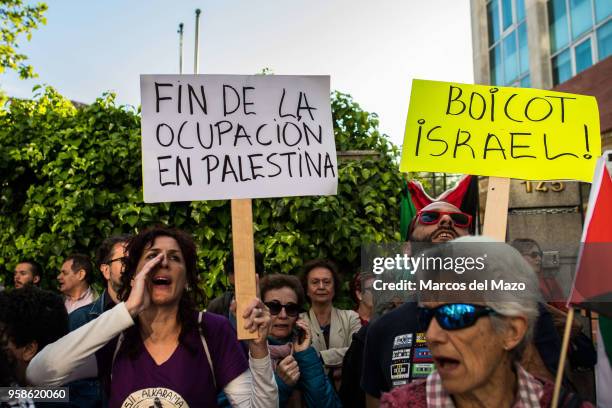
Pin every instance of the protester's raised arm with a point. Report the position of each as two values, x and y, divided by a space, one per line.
72 357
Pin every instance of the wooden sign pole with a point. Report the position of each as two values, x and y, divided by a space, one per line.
245 287
564 346
496 210
495 224
244 261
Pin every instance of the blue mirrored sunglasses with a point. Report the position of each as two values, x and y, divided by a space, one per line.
452 316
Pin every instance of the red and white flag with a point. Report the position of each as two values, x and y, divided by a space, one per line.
592 288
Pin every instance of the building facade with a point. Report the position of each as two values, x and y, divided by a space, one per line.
564 45
538 43
547 44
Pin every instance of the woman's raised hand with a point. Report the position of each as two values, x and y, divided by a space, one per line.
139 298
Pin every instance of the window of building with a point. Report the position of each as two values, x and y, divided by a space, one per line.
580 35
604 40
508 51
562 67
584 56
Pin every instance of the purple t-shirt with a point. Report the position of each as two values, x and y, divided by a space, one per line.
185 379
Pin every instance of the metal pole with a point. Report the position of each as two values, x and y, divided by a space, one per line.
196 63
180 31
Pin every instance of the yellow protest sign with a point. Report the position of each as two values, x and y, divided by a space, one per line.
500 131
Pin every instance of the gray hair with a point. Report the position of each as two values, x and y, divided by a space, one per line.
503 263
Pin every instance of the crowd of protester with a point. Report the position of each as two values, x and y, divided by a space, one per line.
151 339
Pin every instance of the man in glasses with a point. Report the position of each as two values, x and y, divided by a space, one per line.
109 260
396 351
389 359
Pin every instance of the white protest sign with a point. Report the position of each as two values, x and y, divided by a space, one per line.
213 137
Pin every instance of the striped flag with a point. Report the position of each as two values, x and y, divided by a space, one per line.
592 288
407 211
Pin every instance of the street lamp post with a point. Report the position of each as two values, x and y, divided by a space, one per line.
180 31
196 62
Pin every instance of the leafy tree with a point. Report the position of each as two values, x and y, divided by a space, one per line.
70 177
16 19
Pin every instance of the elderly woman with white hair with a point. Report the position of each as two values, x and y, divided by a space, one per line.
477 338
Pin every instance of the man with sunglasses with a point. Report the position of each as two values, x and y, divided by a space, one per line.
439 222
109 260
396 352
392 341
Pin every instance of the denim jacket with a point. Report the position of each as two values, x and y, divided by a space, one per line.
87 393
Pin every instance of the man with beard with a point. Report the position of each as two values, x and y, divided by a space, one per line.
27 272
387 357
439 222
109 260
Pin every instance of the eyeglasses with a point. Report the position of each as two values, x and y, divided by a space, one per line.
452 316
121 259
275 307
533 254
461 220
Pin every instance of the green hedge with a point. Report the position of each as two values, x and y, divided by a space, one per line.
71 176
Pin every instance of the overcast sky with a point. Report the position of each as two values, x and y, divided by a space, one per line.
371 49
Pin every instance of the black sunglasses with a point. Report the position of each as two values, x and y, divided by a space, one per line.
292 309
452 316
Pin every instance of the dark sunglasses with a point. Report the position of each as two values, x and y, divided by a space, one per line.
461 220
275 307
452 316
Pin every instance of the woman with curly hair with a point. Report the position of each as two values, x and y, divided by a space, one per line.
155 347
